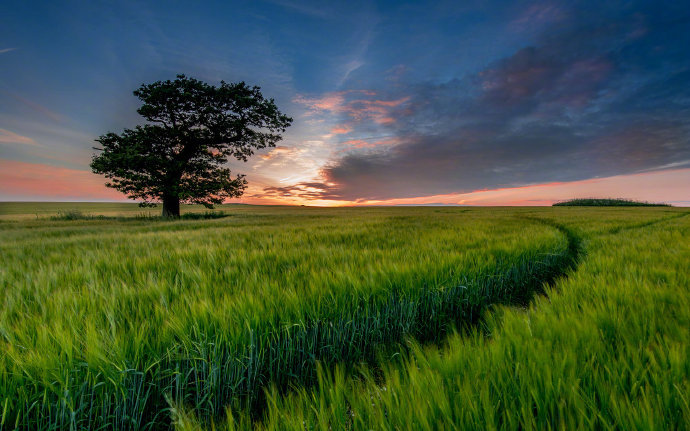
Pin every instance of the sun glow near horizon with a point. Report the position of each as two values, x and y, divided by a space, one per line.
41 182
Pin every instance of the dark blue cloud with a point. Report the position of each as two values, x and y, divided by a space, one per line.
600 92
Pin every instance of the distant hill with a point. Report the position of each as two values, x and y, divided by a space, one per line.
607 203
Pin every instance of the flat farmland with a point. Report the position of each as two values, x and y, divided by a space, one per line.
344 318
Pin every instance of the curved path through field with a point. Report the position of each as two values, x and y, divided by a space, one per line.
289 357
438 313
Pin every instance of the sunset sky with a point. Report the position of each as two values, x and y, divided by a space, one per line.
453 103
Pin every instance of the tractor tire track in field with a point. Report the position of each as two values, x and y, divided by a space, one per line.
518 292
428 317
619 229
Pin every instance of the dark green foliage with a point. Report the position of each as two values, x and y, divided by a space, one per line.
72 215
192 129
607 203
205 215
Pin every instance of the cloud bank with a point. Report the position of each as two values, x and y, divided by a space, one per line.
597 94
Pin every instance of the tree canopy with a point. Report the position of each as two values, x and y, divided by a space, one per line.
192 130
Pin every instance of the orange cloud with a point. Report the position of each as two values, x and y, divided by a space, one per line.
352 104
328 102
362 143
276 152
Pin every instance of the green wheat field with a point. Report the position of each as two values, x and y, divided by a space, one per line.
300 318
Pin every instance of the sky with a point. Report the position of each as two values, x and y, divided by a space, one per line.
431 103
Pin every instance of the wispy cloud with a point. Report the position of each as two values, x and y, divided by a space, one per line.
276 153
2 51
356 60
7 137
37 107
350 67
319 12
537 15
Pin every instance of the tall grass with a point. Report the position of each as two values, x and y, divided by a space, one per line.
90 210
606 348
118 325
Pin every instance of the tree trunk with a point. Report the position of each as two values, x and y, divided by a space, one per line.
171 207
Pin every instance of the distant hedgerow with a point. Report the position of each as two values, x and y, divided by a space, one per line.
591 202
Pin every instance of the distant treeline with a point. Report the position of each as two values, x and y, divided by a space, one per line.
607 203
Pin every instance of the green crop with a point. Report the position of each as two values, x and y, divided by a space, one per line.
112 319
607 347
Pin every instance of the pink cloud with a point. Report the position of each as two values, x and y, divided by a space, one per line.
38 108
8 137
336 101
355 105
36 181
341 130
328 102
378 111
385 120
388 103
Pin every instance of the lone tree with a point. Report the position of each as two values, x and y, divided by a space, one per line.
192 130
